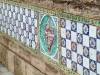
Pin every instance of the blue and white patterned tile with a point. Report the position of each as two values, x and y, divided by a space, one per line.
74 66
63 32
80 59
63 42
92 42
62 22
80 69
93 65
86 71
86 51
68 25
74 56
73 36
86 40
68 34
74 26
98 56
80 28
92 31
69 64
98 44
92 54
98 33
68 44
63 52
86 29
68 54
92 73
86 62
79 38
98 68
74 46
63 61
80 49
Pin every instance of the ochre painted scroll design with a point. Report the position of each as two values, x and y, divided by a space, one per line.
48 36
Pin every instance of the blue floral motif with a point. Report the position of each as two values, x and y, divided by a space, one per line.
86 71
93 65
74 66
86 29
98 33
68 34
74 26
79 38
68 54
92 42
63 42
74 46
86 51
80 59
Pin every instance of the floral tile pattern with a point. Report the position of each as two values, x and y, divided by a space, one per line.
85 47
19 23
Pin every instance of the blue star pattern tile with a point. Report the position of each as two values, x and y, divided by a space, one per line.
82 47
19 23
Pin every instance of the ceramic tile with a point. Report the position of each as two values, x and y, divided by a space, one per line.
92 73
79 28
86 71
86 40
74 56
68 44
68 24
80 49
92 42
92 54
86 62
98 68
80 69
74 26
73 36
92 31
63 51
69 63
86 51
98 45
93 66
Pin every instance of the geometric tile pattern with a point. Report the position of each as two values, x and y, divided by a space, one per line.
80 47
20 23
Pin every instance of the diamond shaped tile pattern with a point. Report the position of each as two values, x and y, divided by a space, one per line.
84 55
19 22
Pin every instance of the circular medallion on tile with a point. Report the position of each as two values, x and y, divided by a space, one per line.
79 59
98 33
86 29
86 51
74 46
92 65
92 42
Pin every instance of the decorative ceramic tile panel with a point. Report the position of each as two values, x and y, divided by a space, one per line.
80 47
49 36
19 22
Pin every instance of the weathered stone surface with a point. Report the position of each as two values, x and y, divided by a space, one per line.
86 8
